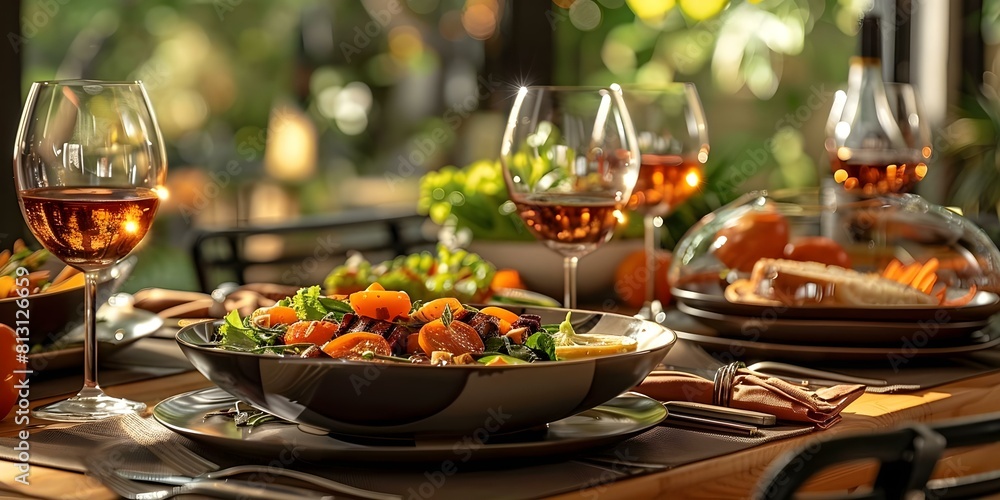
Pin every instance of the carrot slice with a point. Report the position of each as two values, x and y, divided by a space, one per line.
353 345
927 283
456 338
892 270
961 301
908 273
313 332
928 268
433 309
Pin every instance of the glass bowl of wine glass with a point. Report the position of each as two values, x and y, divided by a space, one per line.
570 160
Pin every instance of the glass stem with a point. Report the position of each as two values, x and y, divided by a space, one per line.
651 234
569 283
90 333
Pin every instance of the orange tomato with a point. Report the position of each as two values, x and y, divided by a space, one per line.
630 278
376 302
754 236
8 363
818 249
501 313
275 315
507 278
413 343
456 338
353 345
313 332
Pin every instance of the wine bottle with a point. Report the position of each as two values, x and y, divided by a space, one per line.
868 151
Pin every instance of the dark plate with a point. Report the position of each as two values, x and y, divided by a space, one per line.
604 425
363 398
771 328
708 296
749 350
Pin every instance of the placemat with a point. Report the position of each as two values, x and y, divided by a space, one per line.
660 448
147 358
902 375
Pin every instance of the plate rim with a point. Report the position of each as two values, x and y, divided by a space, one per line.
817 312
373 452
697 338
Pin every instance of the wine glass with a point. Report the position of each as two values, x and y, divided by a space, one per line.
89 167
673 142
570 160
872 167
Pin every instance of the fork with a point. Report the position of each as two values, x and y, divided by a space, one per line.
189 463
220 489
770 367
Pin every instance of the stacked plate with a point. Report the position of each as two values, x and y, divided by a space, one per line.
837 332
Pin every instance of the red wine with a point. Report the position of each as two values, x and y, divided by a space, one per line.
878 175
576 220
89 228
664 182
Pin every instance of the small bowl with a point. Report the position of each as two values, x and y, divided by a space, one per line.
48 315
391 399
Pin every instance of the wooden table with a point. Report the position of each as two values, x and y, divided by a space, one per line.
731 476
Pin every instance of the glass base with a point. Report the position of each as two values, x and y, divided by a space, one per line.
87 406
652 311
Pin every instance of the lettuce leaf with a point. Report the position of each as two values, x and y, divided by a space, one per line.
542 342
311 305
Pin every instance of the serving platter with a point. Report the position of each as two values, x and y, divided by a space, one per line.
708 296
402 399
624 416
769 327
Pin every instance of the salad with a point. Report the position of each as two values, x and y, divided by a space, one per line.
384 326
423 276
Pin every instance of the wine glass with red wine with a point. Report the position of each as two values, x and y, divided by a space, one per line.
89 168
673 142
570 159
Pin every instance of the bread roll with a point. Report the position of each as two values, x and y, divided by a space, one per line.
779 281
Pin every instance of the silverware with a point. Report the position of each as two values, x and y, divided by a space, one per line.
710 424
217 488
249 469
815 377
195 467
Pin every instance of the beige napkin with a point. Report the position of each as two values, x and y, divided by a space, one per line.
758 392
180 304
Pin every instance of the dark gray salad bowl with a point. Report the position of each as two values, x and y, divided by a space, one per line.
398 399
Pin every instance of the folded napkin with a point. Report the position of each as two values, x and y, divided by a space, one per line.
748 390
180 304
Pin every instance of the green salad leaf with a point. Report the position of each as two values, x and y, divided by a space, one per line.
233 334
543 342
311 305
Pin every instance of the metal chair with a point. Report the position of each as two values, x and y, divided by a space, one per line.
303 251
906 456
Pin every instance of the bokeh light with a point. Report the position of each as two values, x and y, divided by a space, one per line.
480 18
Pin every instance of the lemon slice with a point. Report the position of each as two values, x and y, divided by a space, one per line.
594 345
